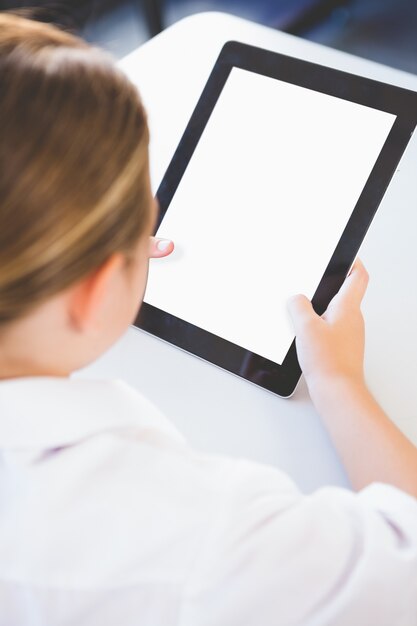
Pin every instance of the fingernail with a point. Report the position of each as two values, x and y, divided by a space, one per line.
163 244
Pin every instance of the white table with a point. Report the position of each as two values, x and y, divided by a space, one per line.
217 411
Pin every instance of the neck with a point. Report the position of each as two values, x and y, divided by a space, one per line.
24 354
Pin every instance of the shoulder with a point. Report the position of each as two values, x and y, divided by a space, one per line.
329 558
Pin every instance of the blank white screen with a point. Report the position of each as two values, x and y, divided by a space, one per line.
261 207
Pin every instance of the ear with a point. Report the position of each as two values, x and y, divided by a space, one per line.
88 296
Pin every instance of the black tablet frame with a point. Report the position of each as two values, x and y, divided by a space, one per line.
282 379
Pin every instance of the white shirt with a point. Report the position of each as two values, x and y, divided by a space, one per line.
107 517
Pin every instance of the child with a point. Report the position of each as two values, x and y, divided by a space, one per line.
107 516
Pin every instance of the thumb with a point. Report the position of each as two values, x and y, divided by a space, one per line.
160 247
301 311
353 289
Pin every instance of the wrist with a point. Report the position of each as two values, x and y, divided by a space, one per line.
324 387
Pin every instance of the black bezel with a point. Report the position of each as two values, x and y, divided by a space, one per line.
282 379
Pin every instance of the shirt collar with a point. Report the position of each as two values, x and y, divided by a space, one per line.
45 412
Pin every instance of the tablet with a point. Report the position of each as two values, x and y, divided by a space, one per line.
270 193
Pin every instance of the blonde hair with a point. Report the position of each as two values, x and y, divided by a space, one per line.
74 182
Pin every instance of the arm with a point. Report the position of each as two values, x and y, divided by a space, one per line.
331 350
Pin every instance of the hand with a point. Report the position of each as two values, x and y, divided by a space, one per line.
330 350
332 346
160 247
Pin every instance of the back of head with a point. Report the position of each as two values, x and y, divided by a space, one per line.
74 182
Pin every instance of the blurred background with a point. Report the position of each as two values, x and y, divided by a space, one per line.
381 30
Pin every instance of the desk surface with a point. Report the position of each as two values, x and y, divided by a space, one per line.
217 411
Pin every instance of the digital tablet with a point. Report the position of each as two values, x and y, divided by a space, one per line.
270 193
